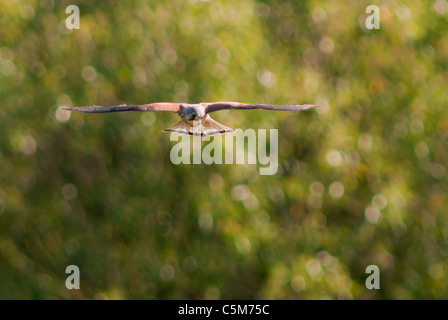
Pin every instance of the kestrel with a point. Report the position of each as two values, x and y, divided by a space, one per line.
195 117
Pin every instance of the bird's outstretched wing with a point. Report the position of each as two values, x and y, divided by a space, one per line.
160 106
216 106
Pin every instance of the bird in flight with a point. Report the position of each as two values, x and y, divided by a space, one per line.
195 118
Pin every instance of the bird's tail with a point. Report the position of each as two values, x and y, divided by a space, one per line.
208 127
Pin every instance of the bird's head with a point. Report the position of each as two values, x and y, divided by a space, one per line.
194 114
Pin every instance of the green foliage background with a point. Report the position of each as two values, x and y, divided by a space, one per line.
361 181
